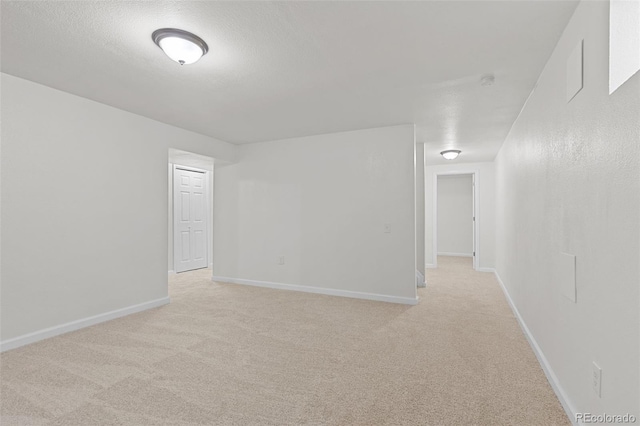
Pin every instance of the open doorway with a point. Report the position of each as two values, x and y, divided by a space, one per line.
190 201
455 203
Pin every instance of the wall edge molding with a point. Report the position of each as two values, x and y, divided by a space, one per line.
318 290
542 359
36 336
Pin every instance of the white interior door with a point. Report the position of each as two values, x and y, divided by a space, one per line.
190 223
473 213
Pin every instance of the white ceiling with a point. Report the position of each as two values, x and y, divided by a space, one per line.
284 69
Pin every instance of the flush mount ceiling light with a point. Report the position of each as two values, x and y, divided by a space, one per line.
181 46
450 154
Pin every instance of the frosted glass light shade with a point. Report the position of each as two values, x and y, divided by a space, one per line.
450 154
180 50
181 46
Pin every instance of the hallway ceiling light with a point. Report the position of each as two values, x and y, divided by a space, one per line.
450 154
181 46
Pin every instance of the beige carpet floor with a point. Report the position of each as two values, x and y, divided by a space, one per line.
224 354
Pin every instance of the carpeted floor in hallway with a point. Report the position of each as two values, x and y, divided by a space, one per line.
224 354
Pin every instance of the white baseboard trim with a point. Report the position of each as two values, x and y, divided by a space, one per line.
430 266
444 253
420 281
548 371
319 290
46 333
486 270
172 272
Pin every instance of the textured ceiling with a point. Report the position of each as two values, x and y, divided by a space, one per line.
286 69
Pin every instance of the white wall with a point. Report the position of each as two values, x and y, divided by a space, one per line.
569 181
84 206
485 219
322 202
420 218
455 215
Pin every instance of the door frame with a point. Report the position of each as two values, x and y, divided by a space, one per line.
476 213
207 222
